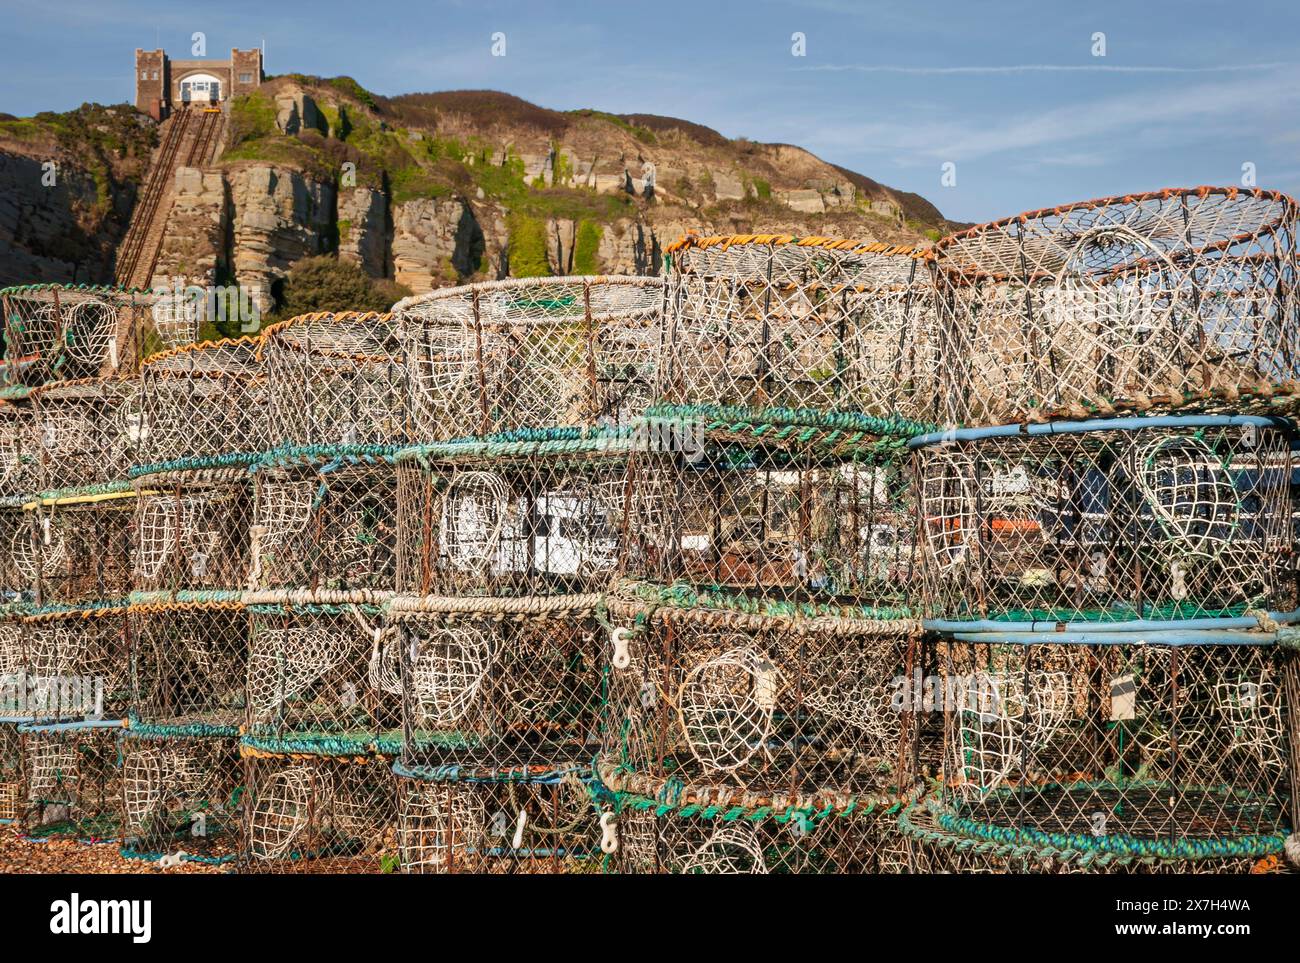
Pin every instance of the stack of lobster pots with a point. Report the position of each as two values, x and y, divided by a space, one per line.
812 556
761 611
511 520
68 427
1108 540
322 709
203 425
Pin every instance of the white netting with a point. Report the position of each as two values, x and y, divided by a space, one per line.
203 400
442 827
776 321
531 353
1147 741
449 671
726 705
732 850
335 379
281 813
52 332
87 430
284 664
1158 519
476 511
1161 294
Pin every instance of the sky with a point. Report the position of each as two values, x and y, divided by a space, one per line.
1009 99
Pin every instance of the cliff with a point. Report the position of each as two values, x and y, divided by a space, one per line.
430 190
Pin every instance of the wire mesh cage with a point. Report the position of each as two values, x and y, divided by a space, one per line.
56 332
453 826
1170 520
531 353
192 528
319 815
335 379
695 835
18 565
203 401
78 544
773 321
752 708
499 689
73 780
1147 296
74 659
189 655
20 449
87 430
323 676
181 797
792 507
511 517
325 519
14 669
928 847
12 781
1154 748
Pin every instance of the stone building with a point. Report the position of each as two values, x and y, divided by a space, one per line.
162 84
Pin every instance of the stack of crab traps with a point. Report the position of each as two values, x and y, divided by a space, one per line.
1107 546
811 556
69 423
761 602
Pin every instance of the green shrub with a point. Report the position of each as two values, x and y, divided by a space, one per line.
586 247
527 247
328 284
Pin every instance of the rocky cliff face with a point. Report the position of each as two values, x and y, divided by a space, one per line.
432 190
279 217
194 244
67 186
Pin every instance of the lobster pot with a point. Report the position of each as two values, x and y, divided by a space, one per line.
1148 296
13 659
1143 746
53 332
695 837
782 712
325 521
189 660
531 353
511 688
201 401
1157 521
930 847
75 661
776 321
80 544
789 509
12 782
533 518
18 550
87 431
20 449
73 780
544 826
335 379
180 795
322 678
191 529
318 815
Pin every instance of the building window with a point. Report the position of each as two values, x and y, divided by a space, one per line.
245 78
155 75
144 75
